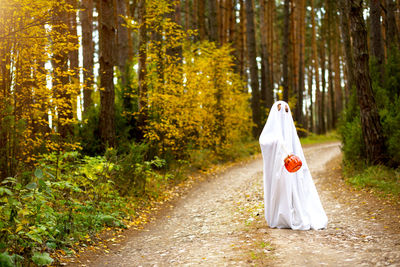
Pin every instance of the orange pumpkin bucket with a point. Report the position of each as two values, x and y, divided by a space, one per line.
293 163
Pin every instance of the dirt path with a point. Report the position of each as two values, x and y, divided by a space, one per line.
220 223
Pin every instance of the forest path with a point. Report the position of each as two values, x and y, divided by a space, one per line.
220 223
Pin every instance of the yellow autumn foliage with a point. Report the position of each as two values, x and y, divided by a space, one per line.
195 99
34 100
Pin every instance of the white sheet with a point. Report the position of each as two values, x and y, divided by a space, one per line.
291 199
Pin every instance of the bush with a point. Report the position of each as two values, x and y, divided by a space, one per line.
66 199
132 171
352 142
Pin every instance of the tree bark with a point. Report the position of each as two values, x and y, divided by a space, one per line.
187 26
252 54
242 42
201 19
321 110
331 112
310 94
301 66
122 42
392 32
370 122
285 52
377 50
232 20
212 5
74 56
345 30
86 17
107 94
271 41
220 20
293 54
267 93
336 69
315 63
175 51
142 69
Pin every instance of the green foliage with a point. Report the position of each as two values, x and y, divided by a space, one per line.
132 172
387 97
314 138
379 178
203 159
41 259
89 134
6 260
352 142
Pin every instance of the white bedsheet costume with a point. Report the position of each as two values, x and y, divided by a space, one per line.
291 199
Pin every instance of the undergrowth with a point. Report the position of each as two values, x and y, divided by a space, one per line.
381 179
70 197
315 138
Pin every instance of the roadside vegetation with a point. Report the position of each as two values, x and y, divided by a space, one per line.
383 177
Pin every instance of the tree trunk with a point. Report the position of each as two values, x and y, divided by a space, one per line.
252 54
336 69
331 112
267 93
330 39
74 57
122 42
175 51
187 26
242 43
315 63
213 36
195 13
301 66
271 42
86 18
310 94
345 30
293 54
370 122
220 16
285 52
201 19
232 20
107 94
142 69
321 110
332 109
376 36
392 32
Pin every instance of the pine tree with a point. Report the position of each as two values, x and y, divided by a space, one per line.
370 122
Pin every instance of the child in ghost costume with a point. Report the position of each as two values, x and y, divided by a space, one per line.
291 199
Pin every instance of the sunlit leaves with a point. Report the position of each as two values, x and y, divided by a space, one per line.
195 99
30 39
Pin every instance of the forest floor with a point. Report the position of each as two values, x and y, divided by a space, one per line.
220 222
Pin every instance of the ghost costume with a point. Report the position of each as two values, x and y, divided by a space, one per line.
291 199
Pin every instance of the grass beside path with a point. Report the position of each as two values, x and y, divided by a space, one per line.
380 180
316 139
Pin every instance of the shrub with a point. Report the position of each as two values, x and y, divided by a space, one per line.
352 142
